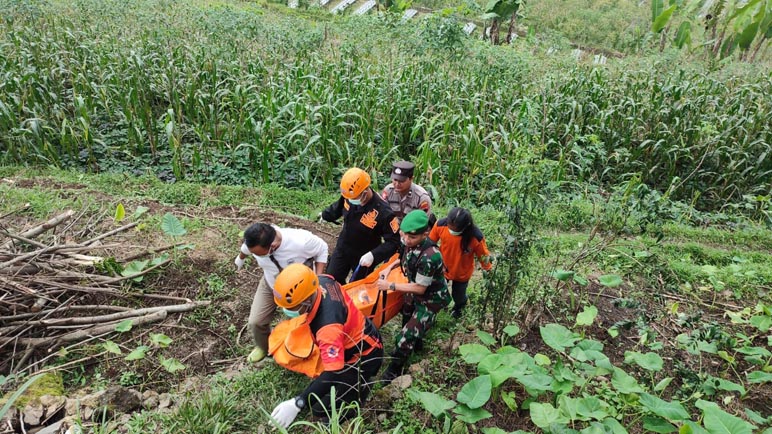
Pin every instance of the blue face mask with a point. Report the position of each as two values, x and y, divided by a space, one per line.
291 313
452 232
355 202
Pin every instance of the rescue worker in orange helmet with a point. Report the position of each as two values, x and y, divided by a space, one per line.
370 232
350 345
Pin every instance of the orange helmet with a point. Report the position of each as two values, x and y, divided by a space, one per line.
354 182
294 285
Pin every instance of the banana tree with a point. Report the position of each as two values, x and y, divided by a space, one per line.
498 10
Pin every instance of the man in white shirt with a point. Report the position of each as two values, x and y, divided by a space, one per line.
275 248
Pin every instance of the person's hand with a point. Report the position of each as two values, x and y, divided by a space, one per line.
285 413
366 260
239 263
321 219
245 249
382 284
384 274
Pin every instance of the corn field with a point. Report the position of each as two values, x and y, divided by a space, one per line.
234 93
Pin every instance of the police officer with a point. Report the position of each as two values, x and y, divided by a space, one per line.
349 344
427 291
370 232
403 195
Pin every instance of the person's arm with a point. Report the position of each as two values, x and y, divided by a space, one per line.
483 255
410 287
243 253
318 249
334 211
389 229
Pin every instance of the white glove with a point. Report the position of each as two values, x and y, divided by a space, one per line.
321 219
366 260
245 249
285 413
239 262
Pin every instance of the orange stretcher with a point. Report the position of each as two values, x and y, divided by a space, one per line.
379 306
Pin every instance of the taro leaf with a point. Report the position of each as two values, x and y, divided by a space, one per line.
123 326
139 211
755 417
544 415
669 410
171 364
717 421
568 406
138 353
159 259
662 385
133 268
588 350
511 330
613 331
473 353
476 392
433 403
160 340
510 399
648 361
493 430
486 338
558 337
761 322
713 384
624 382
120 212
690 427
542 360
504 373
759 377
536 383
562 275
587 316
591 408
613 426
490 363
657 424
471 415
172 226
581 280
610 280
111 347
594 428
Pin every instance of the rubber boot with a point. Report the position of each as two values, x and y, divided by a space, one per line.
394 369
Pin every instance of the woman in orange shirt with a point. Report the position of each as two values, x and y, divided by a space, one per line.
460 242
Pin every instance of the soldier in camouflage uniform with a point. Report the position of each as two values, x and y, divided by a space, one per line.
427 291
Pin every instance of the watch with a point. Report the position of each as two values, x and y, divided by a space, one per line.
392 286
300 402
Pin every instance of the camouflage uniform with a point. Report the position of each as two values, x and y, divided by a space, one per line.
422 265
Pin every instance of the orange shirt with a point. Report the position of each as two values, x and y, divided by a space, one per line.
459 264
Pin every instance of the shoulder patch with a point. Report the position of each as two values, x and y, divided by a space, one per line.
394 224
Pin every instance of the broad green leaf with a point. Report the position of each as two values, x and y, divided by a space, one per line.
568 407
433 403
544 415
624 382
123 326
562 275
657 6
613 331
111 347
171 365
756 417
473 353
510 399
658 424
493 430
684 35
590 408
712 384
558 337
160 340
587 316
139 211
669 410
490 363
476 392
757 377
610 280
133 268
717 421
536 383
613 426
581 280
138 353
486 338
172 226
594 428
662 385
120 213
690 427
542 360
504 373
648 361
761 322
159 259
511 330
471 415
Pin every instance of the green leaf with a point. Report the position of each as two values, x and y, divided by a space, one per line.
657 424
433 403
476 392
171 364
712 384
648 361
757 377
172 226
20 391
510 399
613 331
610 280
562 275
544 415
485 337
684 35
111 347
139 211
581 280
535 384
690 427
471 415
613 426
587 316
160 340
657 6
473 353
662 385
756 417
120 213
761 322
490 363
542 360
511 330
138 353
717 421
123 326
669 410
558 337
591 408
133 268
624 382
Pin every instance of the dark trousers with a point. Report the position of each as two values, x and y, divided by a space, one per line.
342 263
459 294
352 383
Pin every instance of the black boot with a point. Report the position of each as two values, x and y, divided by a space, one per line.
394 369
419 345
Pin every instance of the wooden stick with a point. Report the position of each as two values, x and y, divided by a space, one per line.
107 234
25 206
120 315
37 230
9 319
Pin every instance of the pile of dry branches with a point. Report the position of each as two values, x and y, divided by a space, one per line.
52 294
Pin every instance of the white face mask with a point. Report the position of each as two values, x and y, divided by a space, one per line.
452 232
